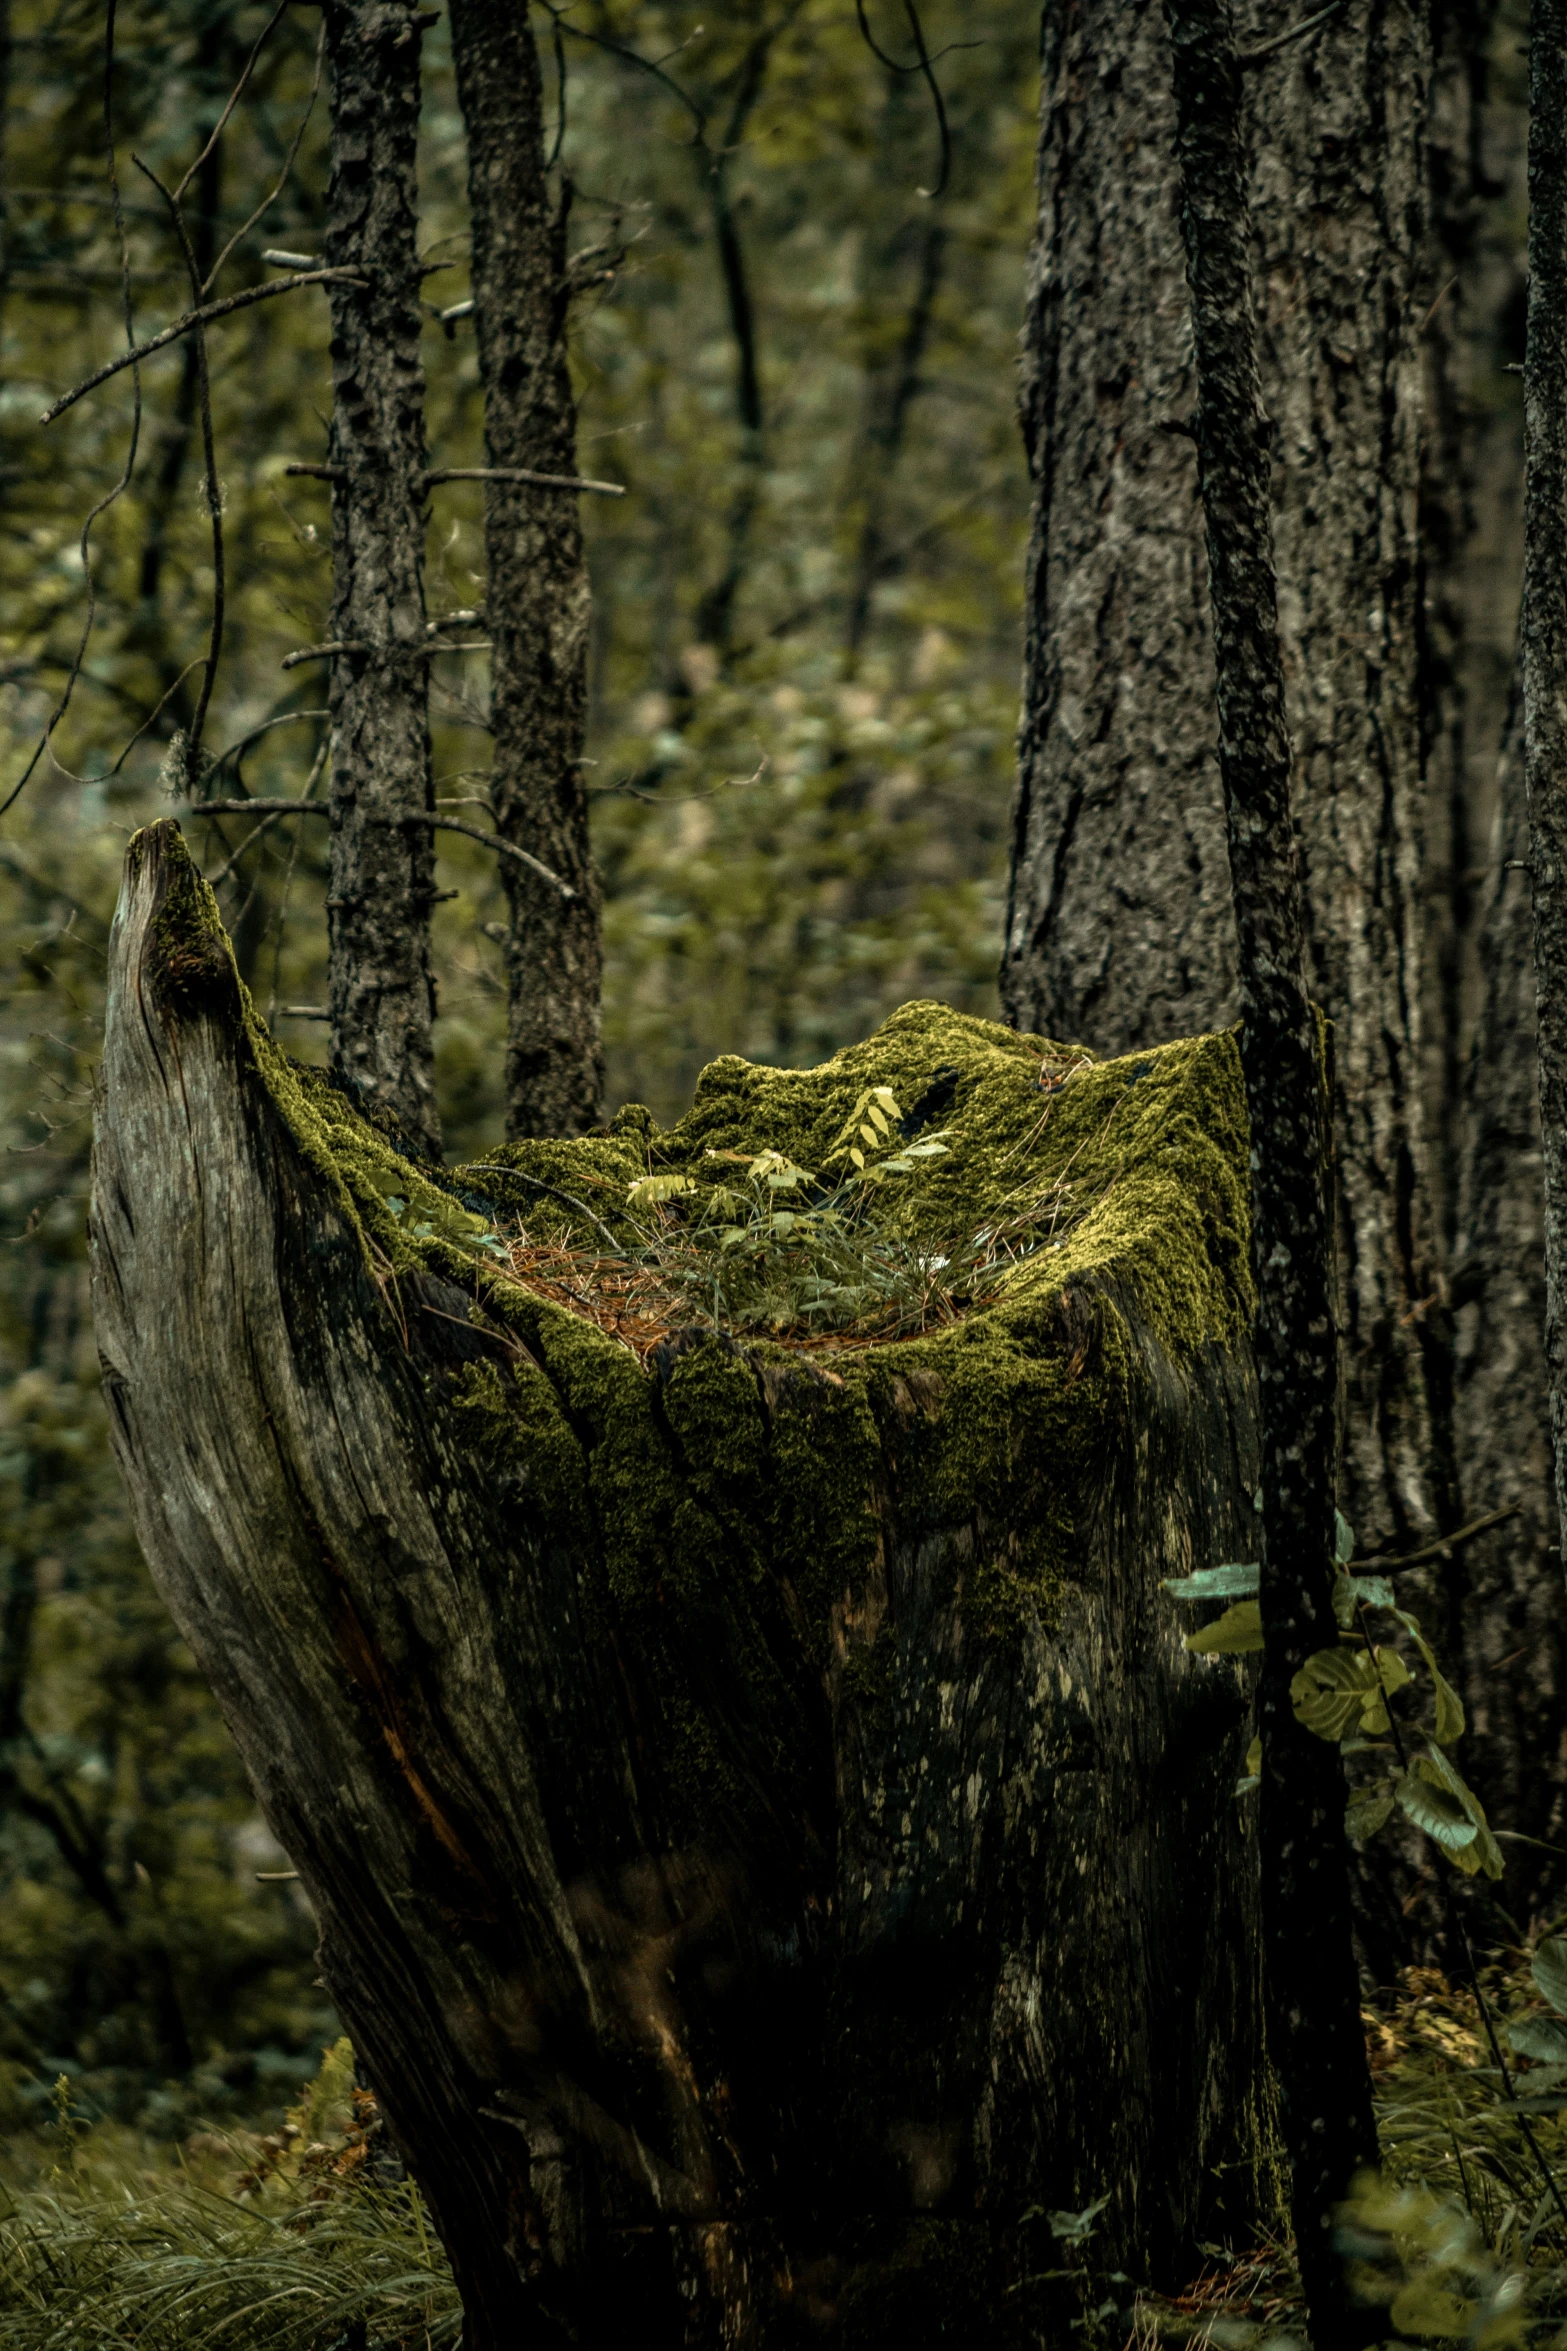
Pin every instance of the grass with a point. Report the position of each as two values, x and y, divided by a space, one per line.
307 2240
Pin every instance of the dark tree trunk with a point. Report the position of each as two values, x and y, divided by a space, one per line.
537 598
768 1836
1119 927
1505 1588
1313 1988
380 989
1543 648
1500 1595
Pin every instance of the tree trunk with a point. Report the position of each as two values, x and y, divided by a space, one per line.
1312 1982
379 985
1505 1588
537 607
1543 652
1119 926
768 1835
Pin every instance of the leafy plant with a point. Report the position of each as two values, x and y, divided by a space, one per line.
1342 1695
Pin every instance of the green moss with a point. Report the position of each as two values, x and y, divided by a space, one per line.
736 1497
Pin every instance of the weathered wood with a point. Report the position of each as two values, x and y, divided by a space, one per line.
767 1833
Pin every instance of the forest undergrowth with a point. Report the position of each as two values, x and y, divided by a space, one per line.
307 2236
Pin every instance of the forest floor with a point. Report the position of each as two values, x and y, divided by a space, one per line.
305 2234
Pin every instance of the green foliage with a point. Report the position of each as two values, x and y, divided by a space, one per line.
294 2253
1342 1695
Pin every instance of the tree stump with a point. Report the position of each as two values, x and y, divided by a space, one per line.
768 1837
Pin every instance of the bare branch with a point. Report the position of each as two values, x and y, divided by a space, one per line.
437 824
1296 32
514 473
199 318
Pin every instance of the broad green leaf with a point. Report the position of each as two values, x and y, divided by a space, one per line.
1541 2037
1363 1818
1332 1690
1237 1631
1235 1582
1343 1538
1423 2309
1438 1811
1371 1591
1549 1970
1485 1853
1449 1706
1254 1757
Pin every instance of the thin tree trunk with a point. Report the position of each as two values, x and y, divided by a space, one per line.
1543 640
894 324
1313 1989
380 989
1119 929
537 604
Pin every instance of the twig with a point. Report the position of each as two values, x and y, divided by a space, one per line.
1297 32
289 161
923 65
1433 1550
320 473
302 1012
510 473
205 316
471 832
438 824
286 718
129 360
489 1167
235 96
324 652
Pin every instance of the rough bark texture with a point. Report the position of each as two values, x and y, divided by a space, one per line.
1504 1588
1313 1987
537 598
379 986
1119 926
1543 649
1500 1596
767 1833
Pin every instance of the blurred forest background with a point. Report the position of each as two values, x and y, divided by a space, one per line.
804 698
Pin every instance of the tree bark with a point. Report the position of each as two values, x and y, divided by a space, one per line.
1312 1983
1543 649
768 1836
537 604
1119 926
380 990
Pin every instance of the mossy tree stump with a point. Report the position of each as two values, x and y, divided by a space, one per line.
767 1835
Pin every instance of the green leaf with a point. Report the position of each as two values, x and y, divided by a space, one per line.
1235 1582
648 1189
1485 1853
1437 1811
1368 1814
1343 1538
1371 1591
1449 1706
1541 2037
1254 1756
1549 1970
1332 1691
1238 1631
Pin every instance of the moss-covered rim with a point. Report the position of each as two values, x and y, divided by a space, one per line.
1148 1154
